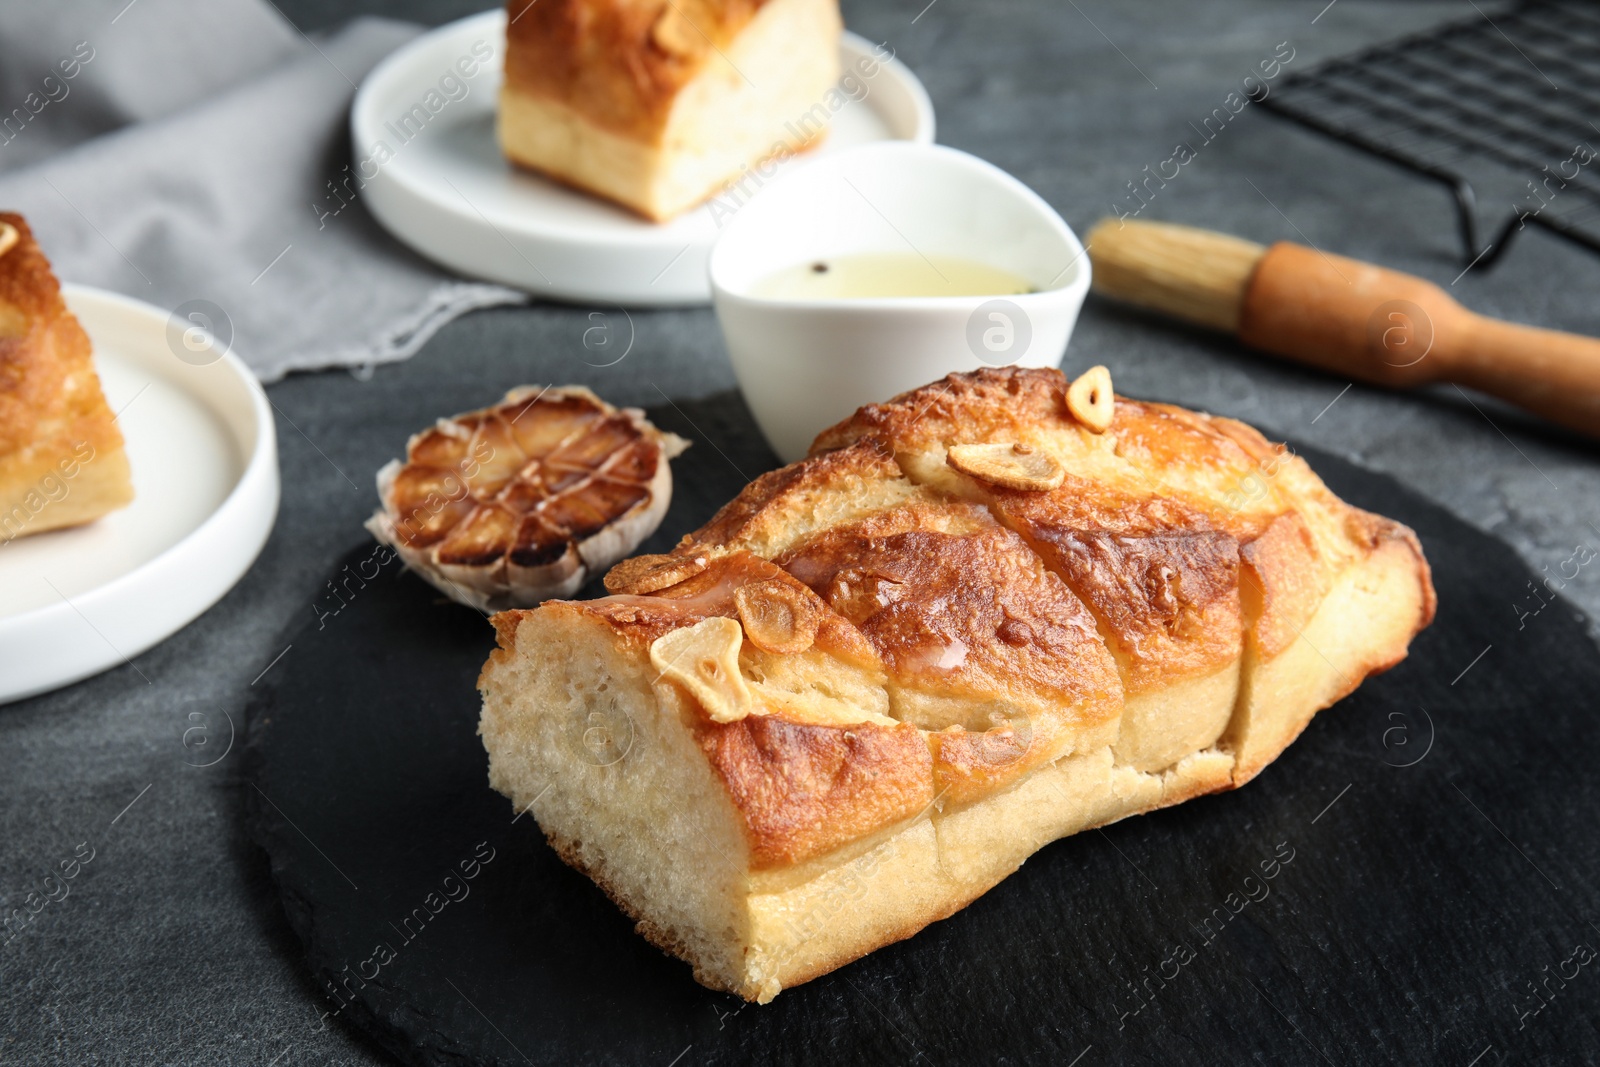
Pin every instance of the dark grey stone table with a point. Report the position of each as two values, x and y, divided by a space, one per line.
170 945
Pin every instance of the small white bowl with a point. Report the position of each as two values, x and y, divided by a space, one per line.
805 364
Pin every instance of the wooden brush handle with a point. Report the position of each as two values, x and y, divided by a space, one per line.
1393 329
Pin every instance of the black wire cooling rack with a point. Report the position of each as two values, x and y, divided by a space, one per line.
1503 100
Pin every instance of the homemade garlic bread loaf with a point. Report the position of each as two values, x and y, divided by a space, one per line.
966 625
656 104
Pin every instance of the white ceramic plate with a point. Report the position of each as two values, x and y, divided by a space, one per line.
449 193
203 451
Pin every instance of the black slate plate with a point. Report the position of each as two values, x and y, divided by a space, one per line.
1430 840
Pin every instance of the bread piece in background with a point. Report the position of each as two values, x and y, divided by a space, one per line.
61 456
656 104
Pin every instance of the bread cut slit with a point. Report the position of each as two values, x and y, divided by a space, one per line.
994 669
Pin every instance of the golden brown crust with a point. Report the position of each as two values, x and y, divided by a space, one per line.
1147 534
26 281
907 579
966 407
56 429
969 765
1161 473
780 506
1285 581
621 62
1177 444
805 790
1162 582
1160 454
34 327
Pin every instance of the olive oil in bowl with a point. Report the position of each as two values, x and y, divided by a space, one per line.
879 275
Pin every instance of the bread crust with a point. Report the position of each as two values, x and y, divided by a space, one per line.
620 62
1023 665
805 789
649 103
61 454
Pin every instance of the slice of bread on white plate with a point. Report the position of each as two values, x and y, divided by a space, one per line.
656 105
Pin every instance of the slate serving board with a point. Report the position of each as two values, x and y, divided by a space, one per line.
1413 881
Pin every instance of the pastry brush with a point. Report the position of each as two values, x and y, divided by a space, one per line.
1345 316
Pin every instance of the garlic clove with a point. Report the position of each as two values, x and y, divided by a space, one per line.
651 574
777 617
704 659
1091 400
1014 466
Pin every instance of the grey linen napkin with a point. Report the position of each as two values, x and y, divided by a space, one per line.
180 152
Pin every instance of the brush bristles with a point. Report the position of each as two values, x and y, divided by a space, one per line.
1186 272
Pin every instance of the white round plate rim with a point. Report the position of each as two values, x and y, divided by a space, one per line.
401 198
234 531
